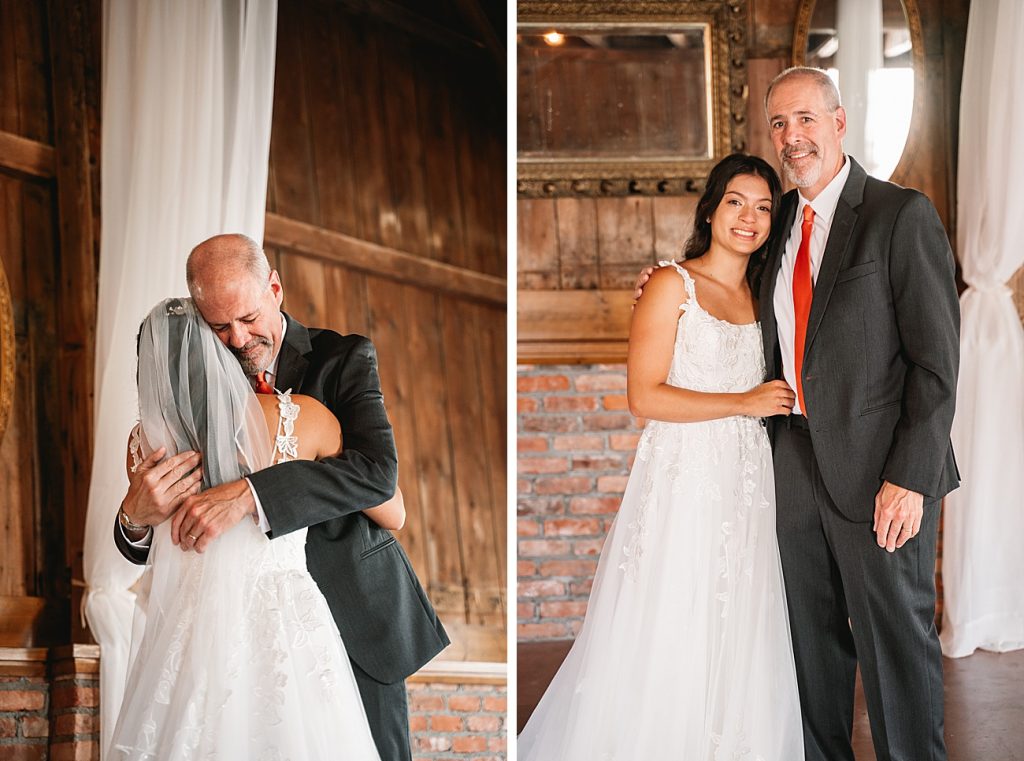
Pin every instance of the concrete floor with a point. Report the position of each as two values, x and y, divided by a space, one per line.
984 702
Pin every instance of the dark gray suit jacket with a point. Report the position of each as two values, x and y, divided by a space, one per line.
387 623
883 348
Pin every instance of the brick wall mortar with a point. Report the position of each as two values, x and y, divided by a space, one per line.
576 442
75 717
24 722
458 721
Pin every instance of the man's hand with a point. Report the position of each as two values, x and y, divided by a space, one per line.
898 514
156 489
204 517
641 281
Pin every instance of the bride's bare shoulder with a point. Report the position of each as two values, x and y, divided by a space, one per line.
318 430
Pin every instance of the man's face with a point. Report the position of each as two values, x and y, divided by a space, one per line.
807 138
246 316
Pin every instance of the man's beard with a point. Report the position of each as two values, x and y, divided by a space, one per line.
810 174
250 361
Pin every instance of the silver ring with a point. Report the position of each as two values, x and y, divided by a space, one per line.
193 538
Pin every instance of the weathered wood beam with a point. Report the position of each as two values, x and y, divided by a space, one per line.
27 157
462 672
379 260
474 13
31 622
573 327
409 21
472 642
23 661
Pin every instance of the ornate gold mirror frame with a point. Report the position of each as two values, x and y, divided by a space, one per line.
726 22
6 352
913 14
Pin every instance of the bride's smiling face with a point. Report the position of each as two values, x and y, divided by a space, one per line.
245 315
743 218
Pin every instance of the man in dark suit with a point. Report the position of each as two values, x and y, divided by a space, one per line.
387 624
860 315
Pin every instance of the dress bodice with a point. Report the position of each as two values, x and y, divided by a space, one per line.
287 551
712 355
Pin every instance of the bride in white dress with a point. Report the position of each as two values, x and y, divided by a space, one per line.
237 655
685 651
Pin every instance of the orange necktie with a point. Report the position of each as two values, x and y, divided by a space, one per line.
803 289
261 386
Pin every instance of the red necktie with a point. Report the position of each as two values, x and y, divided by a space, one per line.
261 385
803 289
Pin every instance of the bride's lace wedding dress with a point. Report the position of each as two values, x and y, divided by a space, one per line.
241 659
685 650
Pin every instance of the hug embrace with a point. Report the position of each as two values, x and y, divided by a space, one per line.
797 371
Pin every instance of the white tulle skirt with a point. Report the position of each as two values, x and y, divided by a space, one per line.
236 656
685 652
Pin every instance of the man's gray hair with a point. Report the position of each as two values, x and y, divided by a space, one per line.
232 247
828 88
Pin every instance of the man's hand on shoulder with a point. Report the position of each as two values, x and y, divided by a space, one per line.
641 281
156 489
898 513
203 517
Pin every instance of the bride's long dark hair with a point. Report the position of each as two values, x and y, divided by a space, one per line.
731 166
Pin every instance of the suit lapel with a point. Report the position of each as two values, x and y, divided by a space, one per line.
292 363
769 326
835 248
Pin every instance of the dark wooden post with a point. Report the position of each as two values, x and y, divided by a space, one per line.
71 55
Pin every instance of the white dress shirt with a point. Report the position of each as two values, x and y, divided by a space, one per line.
785 316
261 518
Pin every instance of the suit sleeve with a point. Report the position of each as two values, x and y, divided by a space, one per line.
922 275
303 493
132 553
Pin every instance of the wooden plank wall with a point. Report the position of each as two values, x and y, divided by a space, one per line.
28 253
597 243
49 95
390 138
386 143
567 244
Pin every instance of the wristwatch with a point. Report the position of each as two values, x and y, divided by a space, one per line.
128 523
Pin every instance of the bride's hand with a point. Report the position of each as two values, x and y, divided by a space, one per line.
156 489
771 398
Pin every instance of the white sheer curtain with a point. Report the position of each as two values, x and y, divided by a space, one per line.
982 563
859 25
187 96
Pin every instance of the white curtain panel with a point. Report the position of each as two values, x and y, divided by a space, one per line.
187 96
859 25
982 561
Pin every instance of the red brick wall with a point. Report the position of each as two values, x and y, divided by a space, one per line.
53 717
56 718
75 709
576 444
457 721
24 722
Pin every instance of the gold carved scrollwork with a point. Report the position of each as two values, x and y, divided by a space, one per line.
727 22
6 352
